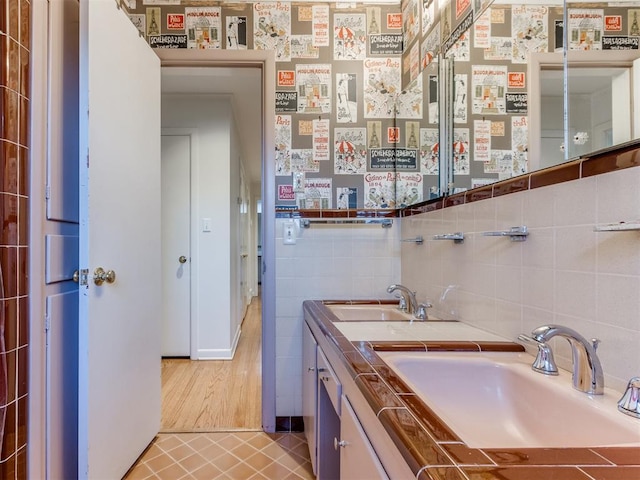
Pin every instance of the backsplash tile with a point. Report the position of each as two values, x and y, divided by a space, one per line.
564 272
611 161
618 196
554 175
341 262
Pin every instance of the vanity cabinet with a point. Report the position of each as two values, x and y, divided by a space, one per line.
358 459
339 445
328 421
310 391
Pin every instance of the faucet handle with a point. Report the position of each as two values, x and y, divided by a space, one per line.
544 362
629 403
402 303
421 313
595 342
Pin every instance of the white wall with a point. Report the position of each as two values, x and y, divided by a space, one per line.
564 272
235 250
327 262
212 192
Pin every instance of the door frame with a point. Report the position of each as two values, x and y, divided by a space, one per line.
265 61
37 461
192 133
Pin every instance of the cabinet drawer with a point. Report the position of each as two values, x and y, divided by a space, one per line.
328 378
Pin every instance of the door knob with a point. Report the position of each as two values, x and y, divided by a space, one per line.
182 259
339 443
100 276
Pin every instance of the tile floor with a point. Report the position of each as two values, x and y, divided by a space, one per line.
238 455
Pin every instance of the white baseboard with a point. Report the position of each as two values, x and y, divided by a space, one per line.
220 353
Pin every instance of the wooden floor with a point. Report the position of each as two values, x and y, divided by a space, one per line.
216 395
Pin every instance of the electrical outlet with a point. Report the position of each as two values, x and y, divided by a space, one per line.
289 233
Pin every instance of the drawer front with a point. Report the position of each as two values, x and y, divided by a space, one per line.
328 378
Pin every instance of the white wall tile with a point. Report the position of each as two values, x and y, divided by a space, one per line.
563 273
484 214
538 286
510 209
538 207
618 301
327 262
509 284
575 203
575 294
618 252
539 247
618 196
509 319
575 248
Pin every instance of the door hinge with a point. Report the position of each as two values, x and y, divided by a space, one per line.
47 323
84 277
47 192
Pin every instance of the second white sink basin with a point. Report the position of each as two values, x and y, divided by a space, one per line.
413 331
495 400
368 313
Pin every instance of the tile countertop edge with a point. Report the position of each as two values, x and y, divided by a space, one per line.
435 441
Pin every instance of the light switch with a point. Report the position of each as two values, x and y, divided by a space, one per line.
289 233
206 224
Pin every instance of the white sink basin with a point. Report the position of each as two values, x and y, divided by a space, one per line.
368 313
495 400
375 331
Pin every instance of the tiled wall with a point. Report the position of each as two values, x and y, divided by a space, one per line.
14 110
327 262
564 272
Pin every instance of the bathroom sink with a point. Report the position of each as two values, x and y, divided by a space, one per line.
495 400
368 313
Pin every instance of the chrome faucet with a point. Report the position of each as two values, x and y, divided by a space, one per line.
408 302
587 370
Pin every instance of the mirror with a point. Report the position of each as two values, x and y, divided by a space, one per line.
506 94
441 26
600 104
603 77
492 90
478 52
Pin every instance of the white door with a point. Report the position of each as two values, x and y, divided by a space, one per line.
176 261
119 344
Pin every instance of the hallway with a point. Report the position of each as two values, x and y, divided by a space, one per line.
216 395
211 421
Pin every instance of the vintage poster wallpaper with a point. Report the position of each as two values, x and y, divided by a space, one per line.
357 107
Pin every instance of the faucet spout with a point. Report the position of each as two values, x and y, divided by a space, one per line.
588 376
408 297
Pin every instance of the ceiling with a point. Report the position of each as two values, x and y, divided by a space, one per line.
582 81
244 86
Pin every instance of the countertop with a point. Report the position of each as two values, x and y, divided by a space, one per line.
430 448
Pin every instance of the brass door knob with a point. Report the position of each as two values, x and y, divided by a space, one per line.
100 276
182 259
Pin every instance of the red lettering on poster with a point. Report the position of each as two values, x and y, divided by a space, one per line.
613 23
516 79
175 21
286 78
393 134
461 6
285 192
394 21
